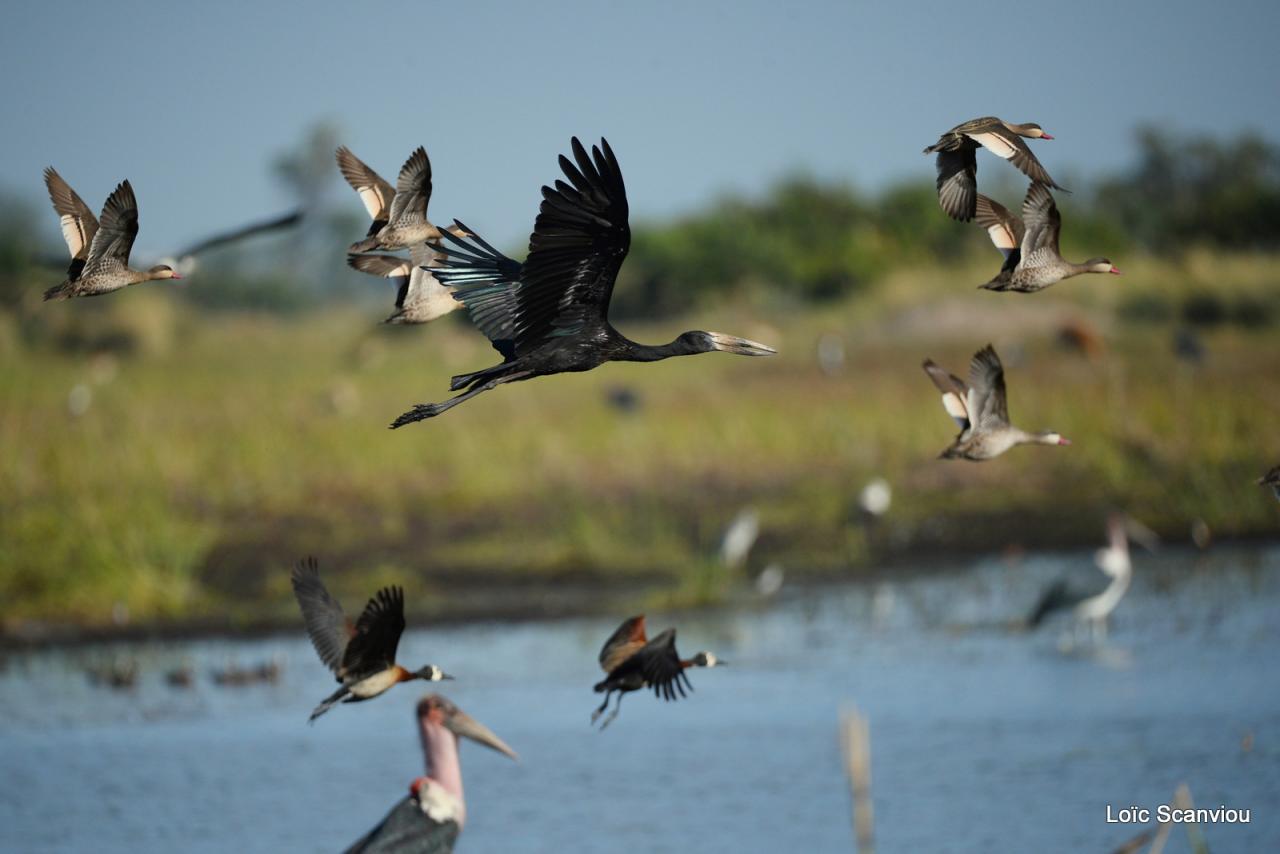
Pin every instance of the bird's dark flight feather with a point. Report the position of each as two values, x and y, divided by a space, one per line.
327 626
372 648
579 241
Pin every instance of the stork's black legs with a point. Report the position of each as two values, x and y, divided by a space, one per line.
423 411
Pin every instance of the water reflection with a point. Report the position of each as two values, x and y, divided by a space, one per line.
983 737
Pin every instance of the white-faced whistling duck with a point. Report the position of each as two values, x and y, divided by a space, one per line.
980 410
633 662
362 656
550 315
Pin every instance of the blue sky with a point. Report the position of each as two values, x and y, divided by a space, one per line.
191 101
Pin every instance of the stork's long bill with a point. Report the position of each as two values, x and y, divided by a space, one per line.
740 346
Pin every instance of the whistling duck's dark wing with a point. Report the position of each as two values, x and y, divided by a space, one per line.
76 219
957 182
117 228
623 643
328 628
284 221
408 830
986 403
955 394
413 189
1044 223
374 191
373 646
660 665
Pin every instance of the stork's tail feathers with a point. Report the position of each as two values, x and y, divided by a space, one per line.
464 380
329 702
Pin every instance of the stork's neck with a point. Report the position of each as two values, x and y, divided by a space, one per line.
440 750
656 353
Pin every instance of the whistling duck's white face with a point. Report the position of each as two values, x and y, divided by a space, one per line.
1102 265
1052 438
431 673
706 659
1034 131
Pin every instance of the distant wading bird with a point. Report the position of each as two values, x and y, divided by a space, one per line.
433 815
362 656
981 411
958 165
1030 244
549 315
99 248
400 213
1092 606
633 662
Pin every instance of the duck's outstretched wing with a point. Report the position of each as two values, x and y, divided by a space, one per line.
1044 224
660 665
958 182
373 646
327 626
117 228
374 191
955 394
623 643
413 189
77 221
986 404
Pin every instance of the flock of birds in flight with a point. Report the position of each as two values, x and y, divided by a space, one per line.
549 315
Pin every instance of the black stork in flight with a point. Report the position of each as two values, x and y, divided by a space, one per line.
363 655
550 315
633 662
431 817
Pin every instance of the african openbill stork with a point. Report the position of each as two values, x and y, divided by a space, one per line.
550 315
633 662
431 817
362 656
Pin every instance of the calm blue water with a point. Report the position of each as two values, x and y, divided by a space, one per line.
983 739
